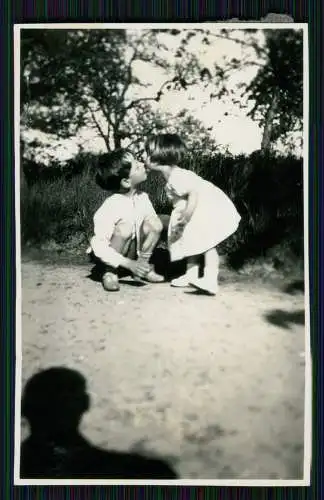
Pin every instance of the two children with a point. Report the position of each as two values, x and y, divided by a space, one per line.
203 216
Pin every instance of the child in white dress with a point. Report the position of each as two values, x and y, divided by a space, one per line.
203 215
126 226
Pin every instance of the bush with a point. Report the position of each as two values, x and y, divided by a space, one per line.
81 164
267 191
59 209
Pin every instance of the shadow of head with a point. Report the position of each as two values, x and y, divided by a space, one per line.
54 401
284 319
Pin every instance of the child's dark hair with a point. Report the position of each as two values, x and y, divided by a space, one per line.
112 168
165 149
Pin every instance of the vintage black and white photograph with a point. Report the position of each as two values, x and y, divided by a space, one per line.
162 254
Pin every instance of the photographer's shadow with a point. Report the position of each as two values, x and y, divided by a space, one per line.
54 402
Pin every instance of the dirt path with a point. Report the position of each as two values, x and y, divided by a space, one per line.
213 384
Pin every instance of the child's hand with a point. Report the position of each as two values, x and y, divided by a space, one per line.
177 231
182 220
179 225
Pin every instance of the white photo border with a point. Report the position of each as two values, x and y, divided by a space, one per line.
308 358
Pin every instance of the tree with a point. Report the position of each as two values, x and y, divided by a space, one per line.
195 134
276 91
74 79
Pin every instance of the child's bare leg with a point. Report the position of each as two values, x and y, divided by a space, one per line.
149 237
122 238
120 241
191 274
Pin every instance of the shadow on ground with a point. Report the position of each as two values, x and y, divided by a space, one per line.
297 286
54 402
160 260
285 319
97 272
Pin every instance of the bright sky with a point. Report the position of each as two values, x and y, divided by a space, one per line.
234 130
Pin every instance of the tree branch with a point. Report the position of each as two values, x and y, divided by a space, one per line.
134 103
98 127
259 49
126 86
136 55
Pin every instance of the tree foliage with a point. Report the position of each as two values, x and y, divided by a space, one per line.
274 97
73 78
278 85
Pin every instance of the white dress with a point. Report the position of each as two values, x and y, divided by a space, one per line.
215 217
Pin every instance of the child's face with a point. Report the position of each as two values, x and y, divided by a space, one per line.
148 164
137 173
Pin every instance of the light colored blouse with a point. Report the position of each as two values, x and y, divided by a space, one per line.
132 210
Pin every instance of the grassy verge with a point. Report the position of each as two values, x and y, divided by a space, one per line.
57 213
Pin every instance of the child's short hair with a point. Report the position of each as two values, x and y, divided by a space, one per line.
112 168
165 149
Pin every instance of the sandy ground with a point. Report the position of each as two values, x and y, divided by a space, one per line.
214 385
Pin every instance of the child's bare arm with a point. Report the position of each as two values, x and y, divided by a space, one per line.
105 220
190 208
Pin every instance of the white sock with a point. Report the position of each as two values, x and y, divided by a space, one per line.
192 270
145 256
211 265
